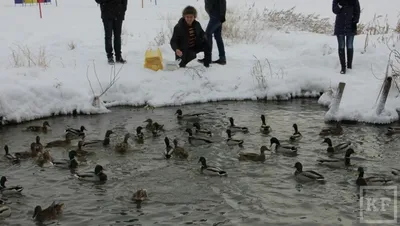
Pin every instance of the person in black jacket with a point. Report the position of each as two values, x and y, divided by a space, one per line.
347 17
189 38
216 10
113 14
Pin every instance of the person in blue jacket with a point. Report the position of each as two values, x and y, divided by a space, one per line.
347 17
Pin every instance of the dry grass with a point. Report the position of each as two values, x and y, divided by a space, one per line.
22 56
71 45
164 35
262 71
397 29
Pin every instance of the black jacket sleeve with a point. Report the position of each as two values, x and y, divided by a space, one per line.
335 7
175 39
357 11
222 8
102 1
208 5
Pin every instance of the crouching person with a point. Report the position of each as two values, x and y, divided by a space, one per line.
189 39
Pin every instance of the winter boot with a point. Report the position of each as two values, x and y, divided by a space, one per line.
342 59
120 60
111 60
219 61
350 58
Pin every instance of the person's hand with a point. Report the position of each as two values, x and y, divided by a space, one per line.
179 53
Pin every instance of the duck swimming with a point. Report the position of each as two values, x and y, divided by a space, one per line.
72 133
168 149
5 211
296 135
9 190
393 130
254 156
337 130
264 127
338 149
45 160
210 170
189 117
338 163
50 213
43 128
104 142
150 125
124 145
179 151
71 163
285 150
196 140
36 146
139 196
157 128
308 175
97 175
198 129
139 137
370 181
231 142
59 143
13 159
235 128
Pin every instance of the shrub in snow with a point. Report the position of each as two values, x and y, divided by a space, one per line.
22 56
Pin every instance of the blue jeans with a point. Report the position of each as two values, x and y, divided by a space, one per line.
345 41
215 27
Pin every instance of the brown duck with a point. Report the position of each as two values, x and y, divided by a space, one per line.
50 213
59 143
123 146
36 147
43 128
179 151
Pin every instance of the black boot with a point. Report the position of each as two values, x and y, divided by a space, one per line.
111 60
350 58
342 59
120 60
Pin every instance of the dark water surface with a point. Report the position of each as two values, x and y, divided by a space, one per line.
252 194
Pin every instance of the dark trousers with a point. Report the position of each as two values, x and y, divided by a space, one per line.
190 54
345 41
214 27
112 26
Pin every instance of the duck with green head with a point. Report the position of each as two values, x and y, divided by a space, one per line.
210 170
50 213
168 148
266 129
370 181
296 135
73 134
4 190
308 175
198 129
338 163
179 152
196 140
12 158
233 142
71 163
124 145
95 143
96 176
235 128
44 128
337 149
285 150
139 137
254 156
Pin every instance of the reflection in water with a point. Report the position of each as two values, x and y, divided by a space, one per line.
253 193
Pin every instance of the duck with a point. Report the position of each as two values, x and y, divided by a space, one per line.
396 174
104 142
14 159
180 116
370 181
393 130
254 156
44 128
71 163
157 128
235 128
72 133
285 150
50 213
264 127
338 163
97 175
210 170
36 147
124 145
139 137
79 151
231 142
168 149
296 135
59 143
308 175
179 152
45 160
198 129
196 140
150 125
337 149
139 196
337 130
5 211
9 190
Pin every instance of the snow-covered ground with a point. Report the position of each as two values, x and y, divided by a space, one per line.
300 61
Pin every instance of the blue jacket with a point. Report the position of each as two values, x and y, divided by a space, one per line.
347 16
216 8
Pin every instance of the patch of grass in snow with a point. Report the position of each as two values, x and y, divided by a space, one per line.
397 29
261 71
71 45
23 56
164 35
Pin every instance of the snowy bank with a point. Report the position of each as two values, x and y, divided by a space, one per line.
302 64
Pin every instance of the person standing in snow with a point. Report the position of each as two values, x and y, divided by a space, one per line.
347 17
216 10
189 38
113 14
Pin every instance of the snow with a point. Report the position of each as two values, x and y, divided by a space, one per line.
303 64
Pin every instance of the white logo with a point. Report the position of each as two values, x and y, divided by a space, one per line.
378 204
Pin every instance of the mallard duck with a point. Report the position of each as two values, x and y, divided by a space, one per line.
59 143
36 147
393 130
71 163
9 190
337 130
104 142
139 196
264 128
338 163
150 125
337 149
230 141
179 115
211 170
254 156
50 213
286 150
198 129
97 175
72 133
43 128
179 151
139 137
235 128
296 135
80 151
5 211
157 128
45 160
12 158
196 140
168 149
308 175
124 145
370 181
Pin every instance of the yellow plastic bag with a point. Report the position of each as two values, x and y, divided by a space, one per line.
153 60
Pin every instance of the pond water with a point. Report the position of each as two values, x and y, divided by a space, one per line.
252 193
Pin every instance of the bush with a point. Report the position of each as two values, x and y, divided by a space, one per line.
262 71
22 56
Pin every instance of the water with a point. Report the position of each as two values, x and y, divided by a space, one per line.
252 194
